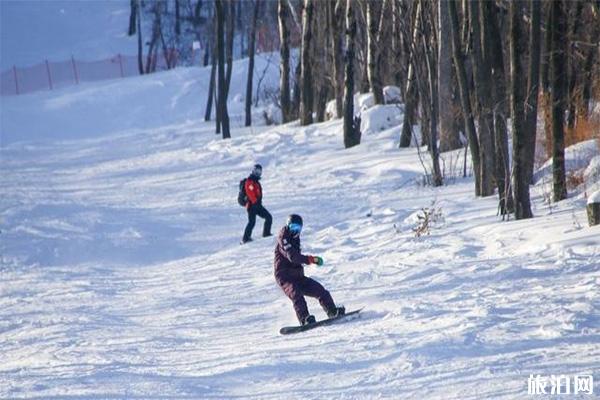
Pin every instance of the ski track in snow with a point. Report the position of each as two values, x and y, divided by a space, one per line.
121 276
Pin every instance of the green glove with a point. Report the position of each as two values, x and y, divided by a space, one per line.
318 260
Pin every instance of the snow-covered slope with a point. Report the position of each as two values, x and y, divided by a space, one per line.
122 276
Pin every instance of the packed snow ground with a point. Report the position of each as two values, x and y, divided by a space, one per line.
122 276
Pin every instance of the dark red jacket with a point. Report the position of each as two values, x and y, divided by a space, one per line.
288 257
253 191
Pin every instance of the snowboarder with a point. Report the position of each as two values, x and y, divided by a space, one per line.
289 273
254 206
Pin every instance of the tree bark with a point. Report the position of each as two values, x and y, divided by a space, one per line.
251 44
502 160
517 101
351 136
373 70
410 97
229 51
482 79
558 82
449 137
336 21
284 65
211 88
306 91
429 46
531 99
464 95
223 120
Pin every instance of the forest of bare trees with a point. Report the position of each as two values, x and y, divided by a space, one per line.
494 78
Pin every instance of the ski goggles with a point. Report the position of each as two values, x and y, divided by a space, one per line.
295 228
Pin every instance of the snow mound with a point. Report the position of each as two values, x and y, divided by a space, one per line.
380 118
577 157
594 198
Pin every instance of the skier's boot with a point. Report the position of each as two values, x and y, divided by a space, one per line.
309 320
336 312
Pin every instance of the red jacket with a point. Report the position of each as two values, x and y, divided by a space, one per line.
253 191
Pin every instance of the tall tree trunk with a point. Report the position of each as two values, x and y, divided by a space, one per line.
373 52
223 119
139 38
461 73
251 43
558 79
482 75
211 87
284 65
350 129
177 19
336 10
449 137
517 101
503 179
229 51
533 78
429 47
306 96
410 96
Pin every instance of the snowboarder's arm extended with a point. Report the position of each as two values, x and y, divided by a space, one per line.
292 253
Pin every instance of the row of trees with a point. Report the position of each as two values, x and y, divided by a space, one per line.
470 72
466 69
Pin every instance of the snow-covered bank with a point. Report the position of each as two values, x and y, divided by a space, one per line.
121 276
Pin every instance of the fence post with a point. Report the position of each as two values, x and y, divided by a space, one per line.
75 70
16 79
121 64
49 75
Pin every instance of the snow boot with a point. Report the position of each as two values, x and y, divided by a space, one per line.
309 320
336 312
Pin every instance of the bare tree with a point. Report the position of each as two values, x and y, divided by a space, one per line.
500 108
336 11
223 120
517 101
373 70
461 73
284 66
135 25
533 78
306 89
351 131
251 46
482 75
449 137
410 94
558 83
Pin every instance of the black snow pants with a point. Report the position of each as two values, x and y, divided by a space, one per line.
253 211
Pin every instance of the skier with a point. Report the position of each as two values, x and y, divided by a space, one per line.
289 273
254 205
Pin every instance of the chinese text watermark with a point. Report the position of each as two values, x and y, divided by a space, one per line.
560 384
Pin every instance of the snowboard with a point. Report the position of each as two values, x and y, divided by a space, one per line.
286 330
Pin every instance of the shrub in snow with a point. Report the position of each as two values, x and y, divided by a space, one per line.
426 219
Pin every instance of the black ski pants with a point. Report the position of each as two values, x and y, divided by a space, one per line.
253 211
